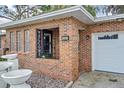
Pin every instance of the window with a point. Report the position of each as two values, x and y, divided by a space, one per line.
18 41
12 41
44 44
27 41
0 42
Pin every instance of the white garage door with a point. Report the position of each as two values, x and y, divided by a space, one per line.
108 51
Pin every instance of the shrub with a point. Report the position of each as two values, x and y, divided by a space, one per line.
3 59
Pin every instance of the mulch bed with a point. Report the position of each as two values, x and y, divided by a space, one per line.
43 81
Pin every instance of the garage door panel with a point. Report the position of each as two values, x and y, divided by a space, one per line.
108 54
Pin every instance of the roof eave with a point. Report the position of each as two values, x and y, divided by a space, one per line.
118 17
77 11
45 17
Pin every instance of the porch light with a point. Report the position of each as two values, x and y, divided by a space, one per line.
87 37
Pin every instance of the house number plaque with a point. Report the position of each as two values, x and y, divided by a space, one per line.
65 38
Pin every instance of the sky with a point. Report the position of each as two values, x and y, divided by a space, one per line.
100 12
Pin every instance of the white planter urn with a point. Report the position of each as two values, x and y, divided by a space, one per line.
17 78
12 58
4 67
3 84
15 65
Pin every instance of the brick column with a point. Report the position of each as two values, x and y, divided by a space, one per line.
69 49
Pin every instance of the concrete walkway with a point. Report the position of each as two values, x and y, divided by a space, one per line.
99 80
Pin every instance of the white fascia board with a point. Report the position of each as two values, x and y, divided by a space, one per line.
87 13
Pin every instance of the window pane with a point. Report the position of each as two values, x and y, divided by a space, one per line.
19 41
27 41
39 43
44 44
12 41
0 42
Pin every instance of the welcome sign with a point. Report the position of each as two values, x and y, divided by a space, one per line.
114 36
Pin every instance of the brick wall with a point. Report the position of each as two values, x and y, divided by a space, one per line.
55 41
3 44
72 56
85 45
66 65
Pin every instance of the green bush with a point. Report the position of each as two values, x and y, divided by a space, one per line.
3 59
